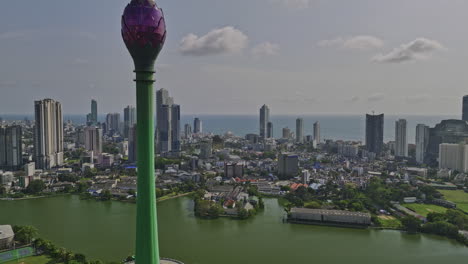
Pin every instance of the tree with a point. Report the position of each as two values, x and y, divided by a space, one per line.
411 224
35 187
106 195
25 234
80 258
3 191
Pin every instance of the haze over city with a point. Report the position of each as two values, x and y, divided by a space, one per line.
298 56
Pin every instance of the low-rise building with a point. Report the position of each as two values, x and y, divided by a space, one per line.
304 215
6 236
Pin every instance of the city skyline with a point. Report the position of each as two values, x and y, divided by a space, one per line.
354 49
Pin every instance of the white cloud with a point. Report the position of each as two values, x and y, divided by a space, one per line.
376 97
362 42
217 41
418 49
265 49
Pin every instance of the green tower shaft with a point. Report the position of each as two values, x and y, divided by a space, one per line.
147 247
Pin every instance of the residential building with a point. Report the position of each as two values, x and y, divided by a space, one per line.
288 165
401 143
317 138
422 140
448 131
197 126
269 130
48 134
93 139
132 145
92 118
130 119
453 156
112 123
233 170
206 149
299 130
465 108
11 150
187 130
286 133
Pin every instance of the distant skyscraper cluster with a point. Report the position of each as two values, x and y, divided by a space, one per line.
48 134
167 123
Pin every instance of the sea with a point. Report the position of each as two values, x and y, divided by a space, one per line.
335 127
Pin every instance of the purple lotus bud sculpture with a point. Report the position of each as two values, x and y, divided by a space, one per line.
144 32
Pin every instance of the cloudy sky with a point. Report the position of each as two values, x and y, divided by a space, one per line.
230 57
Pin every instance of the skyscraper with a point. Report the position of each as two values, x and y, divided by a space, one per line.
48 134
401 142
374 133
132 144
269 130
465 108
11 151
112 123
422 140
288 165
299 130
93 139
286 132
197 126
317 132
92 118
187 130
264 120
175 128
129 119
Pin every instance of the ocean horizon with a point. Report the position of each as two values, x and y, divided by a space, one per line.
333 126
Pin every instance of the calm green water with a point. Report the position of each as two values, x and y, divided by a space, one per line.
105 230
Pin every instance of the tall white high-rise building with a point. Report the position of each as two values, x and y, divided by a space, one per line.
453 156
299 130
401 143
317 132
264 120
93 139
422 139
48 134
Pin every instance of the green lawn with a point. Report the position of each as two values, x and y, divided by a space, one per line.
424 209
389 222
457 196
31 260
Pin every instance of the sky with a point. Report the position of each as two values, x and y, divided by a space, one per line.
231 57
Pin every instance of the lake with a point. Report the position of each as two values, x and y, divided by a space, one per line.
105 230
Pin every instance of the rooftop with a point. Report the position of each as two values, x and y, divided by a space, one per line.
328 212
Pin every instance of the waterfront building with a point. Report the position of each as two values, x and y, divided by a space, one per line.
269 130
286 133
288 165
299 130
11 150
401 143
93 139
132 144
112 123
305 215
129 119
317 132
465 108
448 131
48 134
197 126
264 120
6 237
422 140
374 133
